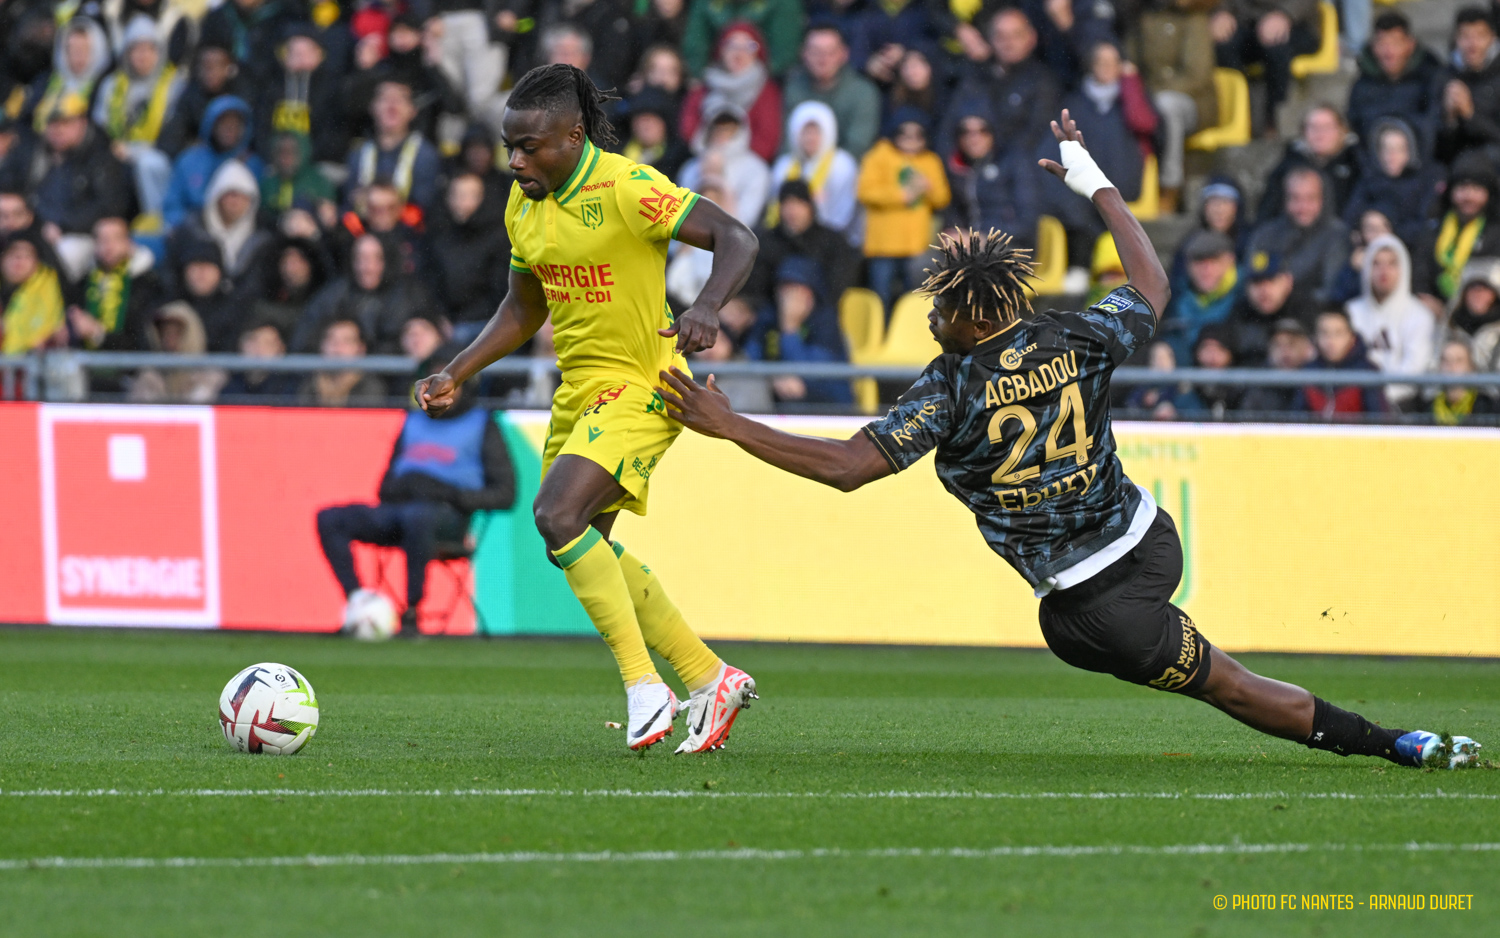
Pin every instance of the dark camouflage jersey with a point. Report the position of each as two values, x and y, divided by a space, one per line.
1022 432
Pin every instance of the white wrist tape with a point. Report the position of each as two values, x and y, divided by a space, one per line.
1083 175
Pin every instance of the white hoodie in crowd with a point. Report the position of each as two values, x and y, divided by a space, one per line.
1398 330
237 242
834 191
734 165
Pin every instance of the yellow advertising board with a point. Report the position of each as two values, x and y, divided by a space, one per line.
1311 539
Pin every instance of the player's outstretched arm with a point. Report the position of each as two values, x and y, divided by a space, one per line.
520 315
844 464
734 248
1084 177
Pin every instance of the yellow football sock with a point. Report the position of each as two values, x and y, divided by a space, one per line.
595 577
663 627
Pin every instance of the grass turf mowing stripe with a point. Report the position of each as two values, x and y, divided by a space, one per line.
694 793
743 853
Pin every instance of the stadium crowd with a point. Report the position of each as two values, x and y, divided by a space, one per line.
274 176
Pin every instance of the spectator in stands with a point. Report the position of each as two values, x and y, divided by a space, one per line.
1396 327
916 84
1487 345
1067 30
1326 145
1372 224
663 23
31 295
725 156
300 272
825 76
17 219
798 233
1271 33
1339 349
477 157
779 20
468 53
372 295
1175 53
1398 182
423 334
306 98
1312 241
411 59
1477 303
1211 290
1468 225
261 338
80 60
215 73
200 282
81 182
470 254
1455 405
689 268
442 470
650 138
118 295
991 189
739 76
748 394
901 185
803 326
1213 350
342 337
662 69
379 210
1160 399
227 119
1397 78
135 101
1471 98
177 329
1221 209
228 220
290 180
173 23
1270 296
567 44
1111 111
251 30
879 34
397 154
1012 91
832 174
1290 349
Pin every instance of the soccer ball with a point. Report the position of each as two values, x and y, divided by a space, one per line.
370 616
268 708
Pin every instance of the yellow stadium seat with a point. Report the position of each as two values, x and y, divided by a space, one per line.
908 339
1148 206
1326 60
862 319
1049 262
1234 114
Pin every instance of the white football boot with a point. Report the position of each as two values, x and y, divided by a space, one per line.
1432 750
712 709
652 708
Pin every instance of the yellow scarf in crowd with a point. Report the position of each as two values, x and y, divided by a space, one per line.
147 125
107 295
814 184
1453 249
34 312
1449 414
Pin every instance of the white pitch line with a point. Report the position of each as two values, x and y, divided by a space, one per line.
672 856
1438 795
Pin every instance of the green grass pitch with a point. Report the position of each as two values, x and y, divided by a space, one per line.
470 787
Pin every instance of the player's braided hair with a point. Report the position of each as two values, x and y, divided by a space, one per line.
557 89
982 276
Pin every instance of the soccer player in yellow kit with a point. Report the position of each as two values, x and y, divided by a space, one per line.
589 233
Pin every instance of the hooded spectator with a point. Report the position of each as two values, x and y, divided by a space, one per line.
1270 296
305 98
725 155
396 154
901 184
290 180
175 26
739 77
251 31
1397 181
1452 406
476 156
31 296
650 138
214 74
1270 33
134 104
1221 208
1174 50
1339 349
991 189
801 326
227 121
1477 302
79 60
1471 98
1311 240
1014 92
832 174
825 76
301 270
1398 77
228 219
470 254
200 282
1290 348
177 329
372 294
342 338
118 294
1325 144
261 338
1396 327
1211 290
780 21
798 233
1468 225
80 183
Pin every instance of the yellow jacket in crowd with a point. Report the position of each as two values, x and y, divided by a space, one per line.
897 225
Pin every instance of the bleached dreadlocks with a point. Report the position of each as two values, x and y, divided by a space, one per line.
982 276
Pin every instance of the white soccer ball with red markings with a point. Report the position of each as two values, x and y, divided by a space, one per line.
268 708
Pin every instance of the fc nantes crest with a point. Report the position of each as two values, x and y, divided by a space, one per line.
593 213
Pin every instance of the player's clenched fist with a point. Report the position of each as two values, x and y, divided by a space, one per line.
434 394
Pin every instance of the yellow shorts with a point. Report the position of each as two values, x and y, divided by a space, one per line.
616 422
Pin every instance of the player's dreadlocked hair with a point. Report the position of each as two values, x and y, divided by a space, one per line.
982 276
557 89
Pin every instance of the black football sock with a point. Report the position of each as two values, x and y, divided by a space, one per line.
1349 734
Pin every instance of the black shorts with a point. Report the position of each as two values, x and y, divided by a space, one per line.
1121 621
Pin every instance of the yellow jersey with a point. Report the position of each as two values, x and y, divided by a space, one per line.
599 246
